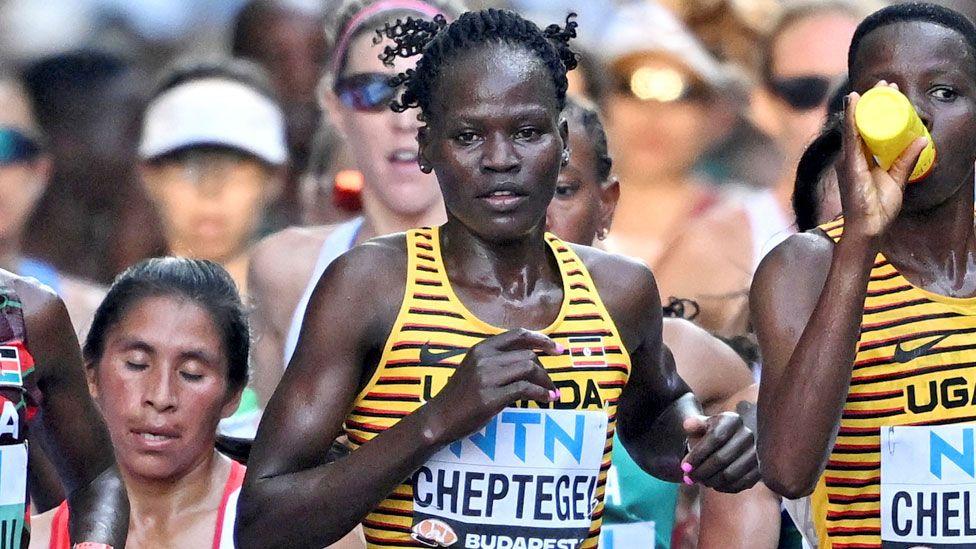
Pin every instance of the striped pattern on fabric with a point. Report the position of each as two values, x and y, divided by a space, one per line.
891 386
590 375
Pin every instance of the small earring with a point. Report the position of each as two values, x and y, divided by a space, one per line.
602 234
565 159
425 168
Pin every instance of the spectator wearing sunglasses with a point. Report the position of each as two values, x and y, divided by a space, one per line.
805 60
396 195
667 101
25 168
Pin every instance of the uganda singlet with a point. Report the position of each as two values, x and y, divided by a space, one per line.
19 397
901 471
533 477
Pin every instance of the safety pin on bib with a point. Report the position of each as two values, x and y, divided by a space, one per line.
891 440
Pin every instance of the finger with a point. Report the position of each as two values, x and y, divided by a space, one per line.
722 429
526 370
902 168
695 426
742 443
514 340
507 359
526 390
747 482
852 146
743 461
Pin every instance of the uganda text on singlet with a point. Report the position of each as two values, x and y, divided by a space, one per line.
534 476
901 472
19 398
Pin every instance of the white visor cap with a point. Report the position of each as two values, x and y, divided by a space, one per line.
214 111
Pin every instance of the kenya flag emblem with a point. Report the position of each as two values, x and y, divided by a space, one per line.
587 351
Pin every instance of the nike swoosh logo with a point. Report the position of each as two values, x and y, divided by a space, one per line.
430 358
903 355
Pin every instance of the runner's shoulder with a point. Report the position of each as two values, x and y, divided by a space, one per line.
378 263
801 257
287 253
625 285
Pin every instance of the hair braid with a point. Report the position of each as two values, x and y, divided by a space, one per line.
437 42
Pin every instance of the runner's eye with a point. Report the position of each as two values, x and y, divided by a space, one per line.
135 366
566 190
190 376
944 93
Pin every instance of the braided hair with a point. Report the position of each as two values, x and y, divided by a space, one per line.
439 42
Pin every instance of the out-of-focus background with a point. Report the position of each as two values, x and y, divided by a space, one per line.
88 65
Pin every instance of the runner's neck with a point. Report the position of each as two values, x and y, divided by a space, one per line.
513 271
160 502
381 220
936 249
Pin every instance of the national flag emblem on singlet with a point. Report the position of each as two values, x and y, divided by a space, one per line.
10 371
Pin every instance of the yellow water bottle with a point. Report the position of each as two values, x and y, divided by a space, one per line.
888 123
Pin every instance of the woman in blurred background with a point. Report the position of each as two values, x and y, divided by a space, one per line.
396 195
212 149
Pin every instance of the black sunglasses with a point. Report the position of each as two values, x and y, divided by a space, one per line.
366 91
804 93
16 146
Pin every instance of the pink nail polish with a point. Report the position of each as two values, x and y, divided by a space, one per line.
686 467
553 395
560 349
559 394
688 480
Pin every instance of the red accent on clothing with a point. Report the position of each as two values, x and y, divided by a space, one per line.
61 539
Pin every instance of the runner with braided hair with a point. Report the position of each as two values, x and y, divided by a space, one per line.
481 368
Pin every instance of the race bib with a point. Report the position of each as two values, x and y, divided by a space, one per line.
637 535
528 480
13 494
928 486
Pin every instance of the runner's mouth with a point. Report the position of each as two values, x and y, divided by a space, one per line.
403 156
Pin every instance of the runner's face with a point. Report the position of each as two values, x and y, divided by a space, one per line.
384 143
935 67
495 141
575 213
211 202
162 385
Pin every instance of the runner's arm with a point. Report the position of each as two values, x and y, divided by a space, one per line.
657 413
713 371
288 480
749 519
806 301
263 279
72 425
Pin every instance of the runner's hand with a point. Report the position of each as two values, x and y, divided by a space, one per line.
723 453
494 374
871 197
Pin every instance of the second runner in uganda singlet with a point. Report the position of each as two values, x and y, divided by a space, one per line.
533 476
902 472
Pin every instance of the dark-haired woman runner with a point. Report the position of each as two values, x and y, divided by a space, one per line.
479 368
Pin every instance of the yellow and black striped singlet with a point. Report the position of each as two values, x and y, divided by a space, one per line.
591 374
891 386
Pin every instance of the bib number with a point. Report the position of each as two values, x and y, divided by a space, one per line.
928 487
528 480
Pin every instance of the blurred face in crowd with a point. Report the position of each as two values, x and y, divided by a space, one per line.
583 203
383 144
808 62
24 168
162 386
211 200
661 118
